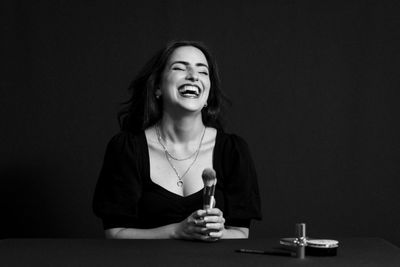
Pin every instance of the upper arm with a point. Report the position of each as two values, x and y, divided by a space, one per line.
119 185
239 178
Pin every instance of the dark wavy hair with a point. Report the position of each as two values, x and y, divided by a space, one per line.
143 109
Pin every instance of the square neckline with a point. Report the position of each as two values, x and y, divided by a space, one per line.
163 189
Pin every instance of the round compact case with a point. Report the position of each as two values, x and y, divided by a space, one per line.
322 247
314 247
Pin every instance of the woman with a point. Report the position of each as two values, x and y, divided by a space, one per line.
150 185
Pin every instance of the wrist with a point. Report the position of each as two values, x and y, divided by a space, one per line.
173 233
224 232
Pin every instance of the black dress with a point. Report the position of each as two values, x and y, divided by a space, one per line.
125 196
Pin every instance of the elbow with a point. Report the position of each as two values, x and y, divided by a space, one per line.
243 233
113 233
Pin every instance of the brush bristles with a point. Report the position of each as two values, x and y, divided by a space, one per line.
209 177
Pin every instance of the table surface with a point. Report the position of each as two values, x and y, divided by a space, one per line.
101 252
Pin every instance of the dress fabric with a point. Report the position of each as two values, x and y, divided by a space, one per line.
125 196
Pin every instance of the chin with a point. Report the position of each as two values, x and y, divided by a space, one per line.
191 107
191 104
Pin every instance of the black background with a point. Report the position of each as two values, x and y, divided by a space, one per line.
314 86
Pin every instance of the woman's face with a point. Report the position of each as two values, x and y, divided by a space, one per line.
185 81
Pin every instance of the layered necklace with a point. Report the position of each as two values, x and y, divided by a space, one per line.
170 157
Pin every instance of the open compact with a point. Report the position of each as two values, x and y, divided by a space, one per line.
313 247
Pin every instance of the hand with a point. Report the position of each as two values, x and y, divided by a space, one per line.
193 227
202 225
214 223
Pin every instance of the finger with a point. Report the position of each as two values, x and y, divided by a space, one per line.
196 217
199 214
196 230
199 222
193 221
216 235
209 236
198 236
214 219
202 236
214 211
214 226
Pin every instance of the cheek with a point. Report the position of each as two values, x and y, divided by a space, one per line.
167 82
207 91
209 87
207 84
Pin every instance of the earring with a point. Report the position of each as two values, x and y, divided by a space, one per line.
205 105
158 93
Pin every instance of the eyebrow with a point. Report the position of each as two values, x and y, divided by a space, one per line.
187 63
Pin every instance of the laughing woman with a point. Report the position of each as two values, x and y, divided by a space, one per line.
150 185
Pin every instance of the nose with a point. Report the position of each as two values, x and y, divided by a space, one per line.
192 75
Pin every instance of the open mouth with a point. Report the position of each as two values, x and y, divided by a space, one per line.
190 91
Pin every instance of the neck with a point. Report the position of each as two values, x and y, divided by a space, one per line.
182 130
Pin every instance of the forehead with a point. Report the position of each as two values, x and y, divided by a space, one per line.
189 54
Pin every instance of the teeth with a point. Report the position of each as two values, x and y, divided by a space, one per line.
189 90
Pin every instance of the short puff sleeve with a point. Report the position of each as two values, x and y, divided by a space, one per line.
119 186
239 182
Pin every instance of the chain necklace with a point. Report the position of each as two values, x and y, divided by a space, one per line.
170 157
166 150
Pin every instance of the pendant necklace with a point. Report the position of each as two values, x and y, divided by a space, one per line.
170 157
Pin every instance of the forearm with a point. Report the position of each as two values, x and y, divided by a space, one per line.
232 232
163 232
167 232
